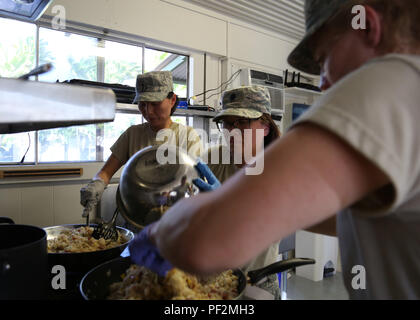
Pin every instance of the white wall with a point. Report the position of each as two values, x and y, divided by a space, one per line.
258 47
189 29
168 24
48 201
151 19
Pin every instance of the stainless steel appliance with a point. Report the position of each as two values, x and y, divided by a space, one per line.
33 105
149 185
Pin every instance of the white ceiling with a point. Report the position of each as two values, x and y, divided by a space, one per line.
285 17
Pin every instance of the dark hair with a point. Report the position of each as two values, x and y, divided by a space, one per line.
274 130
170 95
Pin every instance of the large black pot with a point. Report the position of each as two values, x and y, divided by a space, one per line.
23 261
95 284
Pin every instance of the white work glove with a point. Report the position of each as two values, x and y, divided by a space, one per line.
90 195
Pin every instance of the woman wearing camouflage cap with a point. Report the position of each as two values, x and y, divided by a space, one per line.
245 109
156 102
356 151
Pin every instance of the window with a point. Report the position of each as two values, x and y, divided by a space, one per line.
156 60
76 143
113 130
17 147
122 63
181 120
17 57
17 48
80 57
73 56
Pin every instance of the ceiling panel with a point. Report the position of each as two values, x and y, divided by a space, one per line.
285 17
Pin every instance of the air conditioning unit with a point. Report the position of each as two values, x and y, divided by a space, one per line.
274 83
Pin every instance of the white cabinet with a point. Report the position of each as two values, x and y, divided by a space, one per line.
324 249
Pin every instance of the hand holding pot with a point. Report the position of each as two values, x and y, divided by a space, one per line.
205 172
144 253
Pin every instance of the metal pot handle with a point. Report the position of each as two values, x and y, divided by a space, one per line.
6 220
257 275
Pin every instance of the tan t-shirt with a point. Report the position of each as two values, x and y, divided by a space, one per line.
223 171
376 110
141 136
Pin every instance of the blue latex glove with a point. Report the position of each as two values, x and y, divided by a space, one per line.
144 253
205 172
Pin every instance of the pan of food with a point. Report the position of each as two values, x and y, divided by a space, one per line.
120 279
74 247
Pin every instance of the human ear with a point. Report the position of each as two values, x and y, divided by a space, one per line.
374 29
266 130
173 100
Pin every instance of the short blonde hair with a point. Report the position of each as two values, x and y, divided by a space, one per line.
400 22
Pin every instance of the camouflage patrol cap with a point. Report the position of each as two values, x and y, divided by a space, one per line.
245 102
317 13
153 86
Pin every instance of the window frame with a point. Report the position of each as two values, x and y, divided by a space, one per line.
100 35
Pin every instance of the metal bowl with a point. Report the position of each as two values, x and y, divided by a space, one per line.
83 261
153 180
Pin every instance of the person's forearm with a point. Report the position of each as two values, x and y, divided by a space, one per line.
327 227
228 227
102 175
108 170
177 238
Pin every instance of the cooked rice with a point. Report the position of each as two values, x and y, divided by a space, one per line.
80 239
139 283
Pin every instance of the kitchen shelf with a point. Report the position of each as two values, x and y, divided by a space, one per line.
191 113
302 92
126 107
178 112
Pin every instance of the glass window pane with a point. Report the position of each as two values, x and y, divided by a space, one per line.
215 136
180 90
17 48
181 120
113 130
76 143
122 63
73 56
191 121
13 147
155 60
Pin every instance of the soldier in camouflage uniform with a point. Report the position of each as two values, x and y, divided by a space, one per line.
156 102
246 108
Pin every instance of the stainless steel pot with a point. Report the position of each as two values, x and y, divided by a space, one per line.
83 261
153 180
